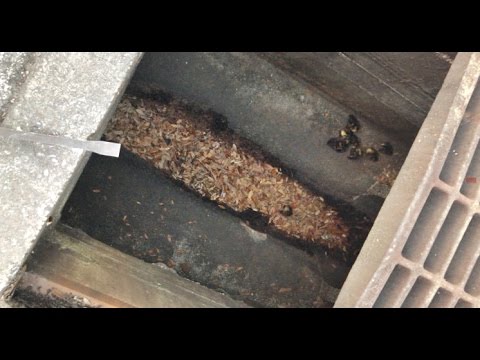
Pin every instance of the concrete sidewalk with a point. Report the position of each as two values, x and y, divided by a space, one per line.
69 94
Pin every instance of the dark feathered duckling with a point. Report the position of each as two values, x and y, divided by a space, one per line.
353 124
286 210
219 123
355 153
349 137
338 144
353 139
255 219
386 148
371 154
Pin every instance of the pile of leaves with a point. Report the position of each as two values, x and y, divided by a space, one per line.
193 147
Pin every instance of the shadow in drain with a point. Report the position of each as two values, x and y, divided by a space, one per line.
129 205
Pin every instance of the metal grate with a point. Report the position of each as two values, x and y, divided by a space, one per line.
424 248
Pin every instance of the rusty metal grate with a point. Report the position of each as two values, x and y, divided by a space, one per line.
424 248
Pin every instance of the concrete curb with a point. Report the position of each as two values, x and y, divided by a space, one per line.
69 94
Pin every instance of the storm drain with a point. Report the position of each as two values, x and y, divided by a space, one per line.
231 223
423 250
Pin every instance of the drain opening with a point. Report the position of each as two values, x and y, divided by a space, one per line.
448 238
464 304
442 298
423 234
467 252
419 292
396 283
473 283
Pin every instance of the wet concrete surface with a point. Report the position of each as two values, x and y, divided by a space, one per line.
133 207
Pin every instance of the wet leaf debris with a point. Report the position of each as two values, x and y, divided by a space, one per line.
194 148
387 176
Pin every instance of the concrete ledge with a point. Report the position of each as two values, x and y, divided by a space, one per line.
69 94
69 265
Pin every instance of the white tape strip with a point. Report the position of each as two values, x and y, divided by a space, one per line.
98 147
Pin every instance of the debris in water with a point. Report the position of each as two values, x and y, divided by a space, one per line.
387 177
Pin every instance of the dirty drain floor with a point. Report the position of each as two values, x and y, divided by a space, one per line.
196 148
131 206
188 192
